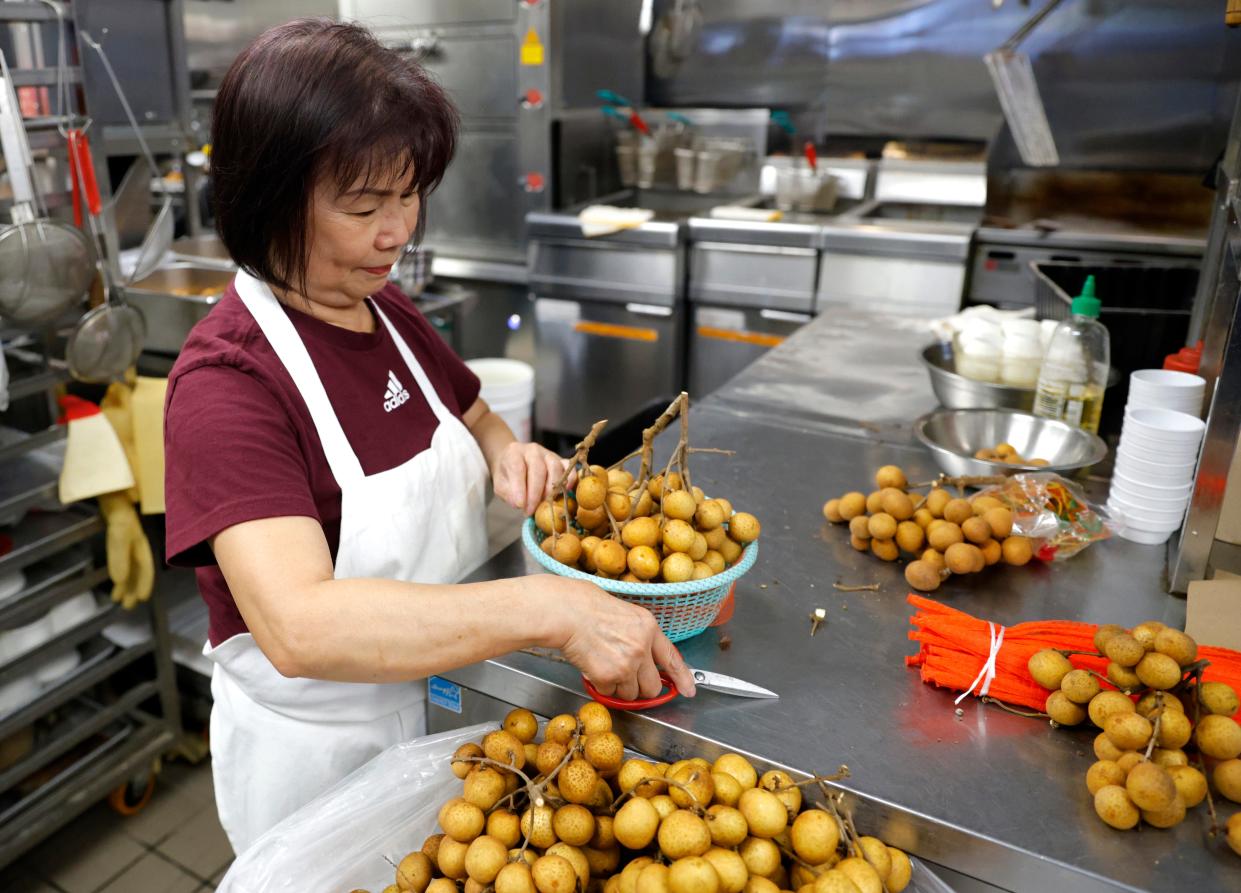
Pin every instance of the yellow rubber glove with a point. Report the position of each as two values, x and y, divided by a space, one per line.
130 562
117 405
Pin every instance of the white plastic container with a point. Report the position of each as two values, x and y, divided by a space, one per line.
1165 426
508 388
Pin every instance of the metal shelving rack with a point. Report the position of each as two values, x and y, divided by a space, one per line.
106 723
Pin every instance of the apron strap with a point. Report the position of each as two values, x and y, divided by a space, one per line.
278 328
420 376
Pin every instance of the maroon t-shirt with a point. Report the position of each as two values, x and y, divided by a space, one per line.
239 442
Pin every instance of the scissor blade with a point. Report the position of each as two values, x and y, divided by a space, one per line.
731 685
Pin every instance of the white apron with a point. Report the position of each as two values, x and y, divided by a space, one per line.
277 742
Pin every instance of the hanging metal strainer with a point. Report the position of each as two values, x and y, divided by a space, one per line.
108 339
45 266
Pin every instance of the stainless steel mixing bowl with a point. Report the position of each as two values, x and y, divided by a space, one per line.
954 435
958 392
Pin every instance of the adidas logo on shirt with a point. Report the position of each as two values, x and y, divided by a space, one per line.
396 393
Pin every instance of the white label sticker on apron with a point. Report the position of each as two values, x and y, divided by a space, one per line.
443 693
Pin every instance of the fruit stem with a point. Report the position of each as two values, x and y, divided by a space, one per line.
649 435
1150 747
1068 651
864 587
987 699
635 454
1215 826
852 847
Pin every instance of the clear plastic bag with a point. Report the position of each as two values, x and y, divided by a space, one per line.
343 839
351 836
1053 511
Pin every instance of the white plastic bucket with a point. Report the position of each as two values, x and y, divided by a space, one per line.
508 388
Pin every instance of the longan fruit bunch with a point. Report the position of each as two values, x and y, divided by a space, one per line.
946 535
1156 693
1007 453
668 533
574 813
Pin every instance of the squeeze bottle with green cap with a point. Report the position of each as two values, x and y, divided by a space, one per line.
1075 365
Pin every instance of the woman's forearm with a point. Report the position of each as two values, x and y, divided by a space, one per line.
490 431
364 630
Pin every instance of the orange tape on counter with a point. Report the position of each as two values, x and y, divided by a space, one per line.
612 330
742 337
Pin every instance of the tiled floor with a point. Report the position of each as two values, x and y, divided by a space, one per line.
173 845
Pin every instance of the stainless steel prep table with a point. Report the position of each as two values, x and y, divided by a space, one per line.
994 796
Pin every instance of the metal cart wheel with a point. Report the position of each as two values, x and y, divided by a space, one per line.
132 796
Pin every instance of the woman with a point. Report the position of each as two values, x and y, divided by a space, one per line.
328 457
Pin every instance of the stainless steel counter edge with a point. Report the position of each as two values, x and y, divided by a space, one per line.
565 226
922 835
1181 246
908 239
745 232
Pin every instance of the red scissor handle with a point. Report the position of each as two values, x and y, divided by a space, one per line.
641 704
80 147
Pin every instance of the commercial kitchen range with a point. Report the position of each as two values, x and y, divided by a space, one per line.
992 800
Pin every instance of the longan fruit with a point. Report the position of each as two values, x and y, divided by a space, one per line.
653 878
678 536
1145 633
484 859
536 824
1218 737
851 505
431 847
923 518
1048 668
1062 710
589 519
549 547
897 504
1124 649
875 851
640 532
677 568
545 518
463 759
450 859
730 867
859 527
699 549
1169 817
1004 450
726 823
610 557
1191 784
991 552
815 836
1113 804
1017 551
619 478
643 504
885 550
643 562
605 751
1123 678
910 537
628 878
958 511
786 790
715 561
1107 704
1176 645
588 552
944 535
922 575
891 476
710 515
1169 757
679 505
761 855
590 492
976 530
1105 632
1079 686
739 768
505 827
961 559
864 875
743 528
577 781
1000 520
985 454
832 881
874 502
684 834
693 874
515 877
936 500
504 747
1104 749
1158 671
554 874
1150 787
575 857
765 815
694 788
484 787
1218 698
831 511
1128 731
935 559
730 550
636 823
414 873
1102 774
1129 759
1227 778
902 870
1233 832
461 820
619 505
882 526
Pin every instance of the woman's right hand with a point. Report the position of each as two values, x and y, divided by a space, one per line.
617 646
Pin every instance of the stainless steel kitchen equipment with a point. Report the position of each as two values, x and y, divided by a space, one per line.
954 435
173 298
955 391
524 76
610 321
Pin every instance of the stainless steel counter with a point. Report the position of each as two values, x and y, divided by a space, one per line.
997 797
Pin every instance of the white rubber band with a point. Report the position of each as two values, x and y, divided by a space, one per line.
987 673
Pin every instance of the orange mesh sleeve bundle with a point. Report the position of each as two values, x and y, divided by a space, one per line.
954 647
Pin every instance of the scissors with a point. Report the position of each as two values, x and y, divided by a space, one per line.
729 685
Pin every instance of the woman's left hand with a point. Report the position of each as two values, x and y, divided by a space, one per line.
524 474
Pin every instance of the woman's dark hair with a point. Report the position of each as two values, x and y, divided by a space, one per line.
309 100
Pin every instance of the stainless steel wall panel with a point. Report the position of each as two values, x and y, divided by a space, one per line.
753 275
603 271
